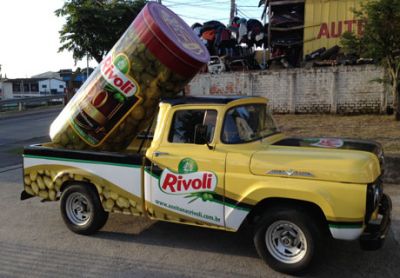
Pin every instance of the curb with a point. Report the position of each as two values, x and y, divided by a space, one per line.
18 114
10 168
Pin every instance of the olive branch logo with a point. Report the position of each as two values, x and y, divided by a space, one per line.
186 166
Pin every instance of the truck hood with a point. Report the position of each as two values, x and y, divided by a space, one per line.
330 159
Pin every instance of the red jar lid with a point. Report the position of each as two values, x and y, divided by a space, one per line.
170 39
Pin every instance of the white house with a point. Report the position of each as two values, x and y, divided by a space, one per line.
51 86
31 87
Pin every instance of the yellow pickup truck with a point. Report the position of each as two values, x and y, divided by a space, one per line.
220 162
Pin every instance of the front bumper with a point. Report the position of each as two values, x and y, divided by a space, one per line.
375 233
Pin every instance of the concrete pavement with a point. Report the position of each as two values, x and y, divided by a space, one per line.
34 241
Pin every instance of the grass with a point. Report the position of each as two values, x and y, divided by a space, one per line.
381 128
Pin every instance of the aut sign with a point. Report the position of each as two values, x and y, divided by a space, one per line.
336 28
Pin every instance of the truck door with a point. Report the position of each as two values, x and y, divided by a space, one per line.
186 183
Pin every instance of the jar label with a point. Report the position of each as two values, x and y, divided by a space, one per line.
110 99
114 70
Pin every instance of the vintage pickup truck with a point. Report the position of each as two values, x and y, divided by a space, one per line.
219 163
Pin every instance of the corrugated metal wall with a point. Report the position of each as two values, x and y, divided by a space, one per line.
326 20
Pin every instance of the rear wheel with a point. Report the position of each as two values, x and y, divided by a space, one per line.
288 240
81 209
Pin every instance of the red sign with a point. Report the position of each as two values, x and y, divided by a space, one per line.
334 29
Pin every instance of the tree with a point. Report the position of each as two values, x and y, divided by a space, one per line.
353 44
381 40
93 27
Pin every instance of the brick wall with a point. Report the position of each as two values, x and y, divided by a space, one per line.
344 89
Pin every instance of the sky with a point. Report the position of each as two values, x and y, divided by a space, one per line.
29 38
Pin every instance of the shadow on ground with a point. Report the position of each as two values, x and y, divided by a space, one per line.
339 257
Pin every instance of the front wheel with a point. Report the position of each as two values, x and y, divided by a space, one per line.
81 209
288 240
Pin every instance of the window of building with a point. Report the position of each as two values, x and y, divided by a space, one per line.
61 86
44 86
16 87
184 124
26 87
34 87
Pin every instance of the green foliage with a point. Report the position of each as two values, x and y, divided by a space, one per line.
381 39
382 25
93 27
352 44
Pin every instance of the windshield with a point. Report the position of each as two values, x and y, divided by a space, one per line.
247 123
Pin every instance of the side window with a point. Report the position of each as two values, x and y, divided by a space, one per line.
184 123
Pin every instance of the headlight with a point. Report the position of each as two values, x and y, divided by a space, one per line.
374 195
381 157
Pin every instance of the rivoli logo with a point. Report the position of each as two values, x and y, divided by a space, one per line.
188 180
113 72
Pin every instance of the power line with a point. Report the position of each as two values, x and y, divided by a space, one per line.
191 4
199 18
196 7
242 13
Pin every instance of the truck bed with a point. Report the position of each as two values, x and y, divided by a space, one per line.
117 177
45 150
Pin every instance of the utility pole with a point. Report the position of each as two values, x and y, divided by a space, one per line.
232 12
87 66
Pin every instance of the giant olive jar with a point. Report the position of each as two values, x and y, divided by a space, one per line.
156 57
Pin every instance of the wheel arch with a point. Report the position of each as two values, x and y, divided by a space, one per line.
68 183
272 202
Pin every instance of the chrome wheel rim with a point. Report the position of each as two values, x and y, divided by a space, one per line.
77 209
286 242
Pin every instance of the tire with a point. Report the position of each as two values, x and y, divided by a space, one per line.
81 209
288 240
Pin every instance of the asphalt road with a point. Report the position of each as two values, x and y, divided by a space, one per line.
34 241
18 130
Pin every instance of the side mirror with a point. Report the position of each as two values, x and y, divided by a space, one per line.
200 134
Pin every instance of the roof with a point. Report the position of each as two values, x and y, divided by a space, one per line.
203 100
48 75
31 79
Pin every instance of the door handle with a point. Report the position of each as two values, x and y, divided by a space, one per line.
157 153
